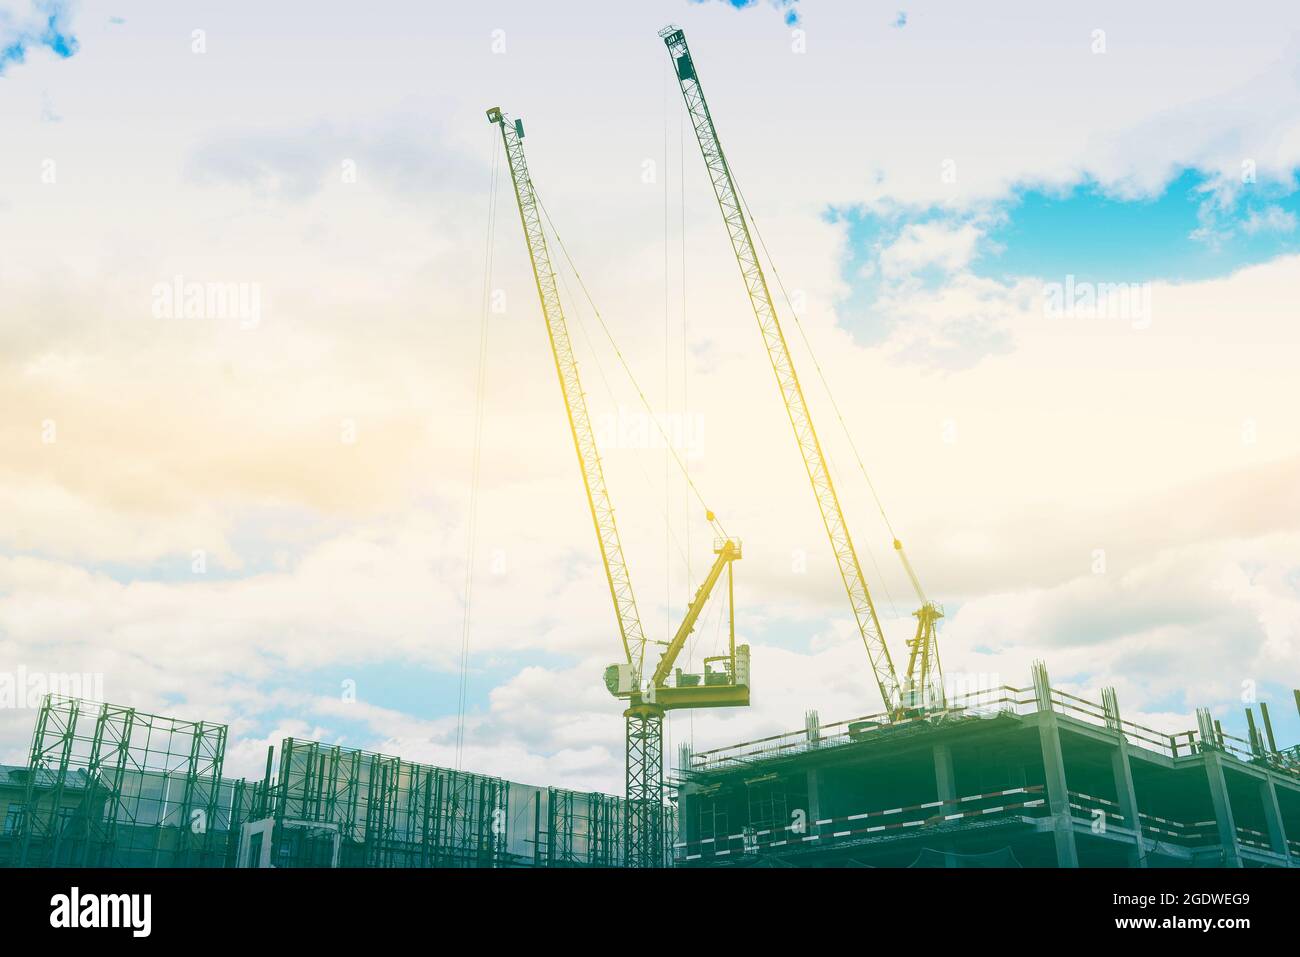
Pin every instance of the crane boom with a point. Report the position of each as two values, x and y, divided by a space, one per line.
575 402
760 298
728 552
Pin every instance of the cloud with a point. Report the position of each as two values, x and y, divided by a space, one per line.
919 245
790 12
35 24
267 164
1243 139
323 558
1274 219
1236 602
947 284
404 157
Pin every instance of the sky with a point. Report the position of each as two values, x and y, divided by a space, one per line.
1045 260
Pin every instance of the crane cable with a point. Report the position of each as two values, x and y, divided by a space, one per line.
681 185
821 374
480 391
712 518
813 355
609 390
681 190
668 472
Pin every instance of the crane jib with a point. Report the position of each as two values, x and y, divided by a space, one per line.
566 367
725 681
760 297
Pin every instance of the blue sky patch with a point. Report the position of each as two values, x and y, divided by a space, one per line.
46 27
1189 231
1179 235
789 8
419 690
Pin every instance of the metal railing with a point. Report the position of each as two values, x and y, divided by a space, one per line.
988 703
1010 803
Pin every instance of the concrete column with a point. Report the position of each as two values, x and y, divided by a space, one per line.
1222 811
1123 770
1273 818
814 800
945 786
945 783
1058 796
688 817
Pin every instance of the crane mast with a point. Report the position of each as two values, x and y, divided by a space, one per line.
778 352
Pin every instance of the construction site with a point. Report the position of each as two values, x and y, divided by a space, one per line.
110 786
1008 777
1028 776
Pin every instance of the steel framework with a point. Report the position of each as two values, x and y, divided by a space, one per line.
645 787
389 812
110 786
559 831
605 822
565 828
380 811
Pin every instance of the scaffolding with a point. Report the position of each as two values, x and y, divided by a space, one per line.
387 812
556 827
110 786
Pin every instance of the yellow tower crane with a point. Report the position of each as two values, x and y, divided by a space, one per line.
922 689
725 680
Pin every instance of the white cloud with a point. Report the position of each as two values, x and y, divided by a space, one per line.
1016 448
1274 219
938 244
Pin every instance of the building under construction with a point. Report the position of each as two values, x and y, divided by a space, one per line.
1031 777
111 786
1006 777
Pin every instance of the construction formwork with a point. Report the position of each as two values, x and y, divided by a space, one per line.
1031 776
110 786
